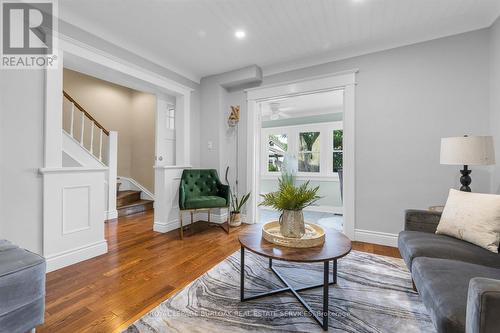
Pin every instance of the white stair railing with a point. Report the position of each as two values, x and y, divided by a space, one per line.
77 129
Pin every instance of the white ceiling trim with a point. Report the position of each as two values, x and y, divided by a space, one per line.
78 48
188 74
323 59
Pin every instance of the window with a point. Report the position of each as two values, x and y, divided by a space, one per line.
277 147
309 152
171 118
338 149
317 149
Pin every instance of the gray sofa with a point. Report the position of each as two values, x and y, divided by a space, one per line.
458 282
22 289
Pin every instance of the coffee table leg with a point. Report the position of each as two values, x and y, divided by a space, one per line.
334 271
270 263
326 271
242 274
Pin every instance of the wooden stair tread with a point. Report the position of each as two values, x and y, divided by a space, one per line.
123 194
134 207
137 203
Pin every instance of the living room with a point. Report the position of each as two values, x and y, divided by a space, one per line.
396 247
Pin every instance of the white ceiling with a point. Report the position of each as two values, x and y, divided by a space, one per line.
196 37
305 105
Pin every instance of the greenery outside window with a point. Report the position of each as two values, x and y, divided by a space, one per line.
277 147
309 152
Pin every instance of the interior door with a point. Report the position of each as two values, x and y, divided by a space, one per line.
165 129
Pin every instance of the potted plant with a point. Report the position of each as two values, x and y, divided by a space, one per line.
290 200
236 206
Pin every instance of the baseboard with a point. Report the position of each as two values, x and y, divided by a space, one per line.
66 258
160 226
110 215
376 237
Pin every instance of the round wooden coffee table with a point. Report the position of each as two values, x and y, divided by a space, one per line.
336 246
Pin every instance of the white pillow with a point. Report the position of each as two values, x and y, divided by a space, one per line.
472 217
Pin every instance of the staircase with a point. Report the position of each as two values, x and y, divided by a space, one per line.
130 202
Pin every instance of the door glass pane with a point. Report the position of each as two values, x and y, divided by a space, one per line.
309 141
337 161
337 139
277 147
309 147
309 162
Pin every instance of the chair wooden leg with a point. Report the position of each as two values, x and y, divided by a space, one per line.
191 217
227 221
209 216
180 220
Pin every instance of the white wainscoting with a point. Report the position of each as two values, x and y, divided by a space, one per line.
167 180
73 213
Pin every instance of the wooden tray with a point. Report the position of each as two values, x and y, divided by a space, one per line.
314 236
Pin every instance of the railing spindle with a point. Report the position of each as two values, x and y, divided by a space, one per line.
72 118
83 129
92 138
100 145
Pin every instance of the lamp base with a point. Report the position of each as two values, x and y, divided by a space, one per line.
465 179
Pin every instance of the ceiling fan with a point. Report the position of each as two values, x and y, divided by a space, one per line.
277 112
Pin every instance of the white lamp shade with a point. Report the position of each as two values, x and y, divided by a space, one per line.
468 150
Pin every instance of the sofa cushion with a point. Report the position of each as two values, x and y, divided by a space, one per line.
443 285
209 201
22 277
413 244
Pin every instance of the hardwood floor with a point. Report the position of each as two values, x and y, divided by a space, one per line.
141 269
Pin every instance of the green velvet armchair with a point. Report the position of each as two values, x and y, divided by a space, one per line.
201 190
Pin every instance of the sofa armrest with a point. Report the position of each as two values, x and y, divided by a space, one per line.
483 306
421 220
182 195
225 192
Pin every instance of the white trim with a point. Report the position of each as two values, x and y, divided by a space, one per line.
145 195
343 80
220 218
376 237
317 83
69 40
172 167
77 52
334 177
71 170
110 215
66 258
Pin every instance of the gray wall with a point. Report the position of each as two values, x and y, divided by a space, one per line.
406 100
21 141
495 100
21 151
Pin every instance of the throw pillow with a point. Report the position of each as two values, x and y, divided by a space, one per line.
472 217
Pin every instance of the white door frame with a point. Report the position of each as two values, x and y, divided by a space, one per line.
343 80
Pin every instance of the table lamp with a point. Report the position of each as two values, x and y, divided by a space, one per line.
467 150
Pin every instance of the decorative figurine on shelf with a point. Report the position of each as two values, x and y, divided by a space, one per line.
234 116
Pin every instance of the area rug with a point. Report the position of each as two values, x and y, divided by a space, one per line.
373 294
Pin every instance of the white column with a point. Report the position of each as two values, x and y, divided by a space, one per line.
253 153
112 174
183 130
166 214
348 162
53 115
